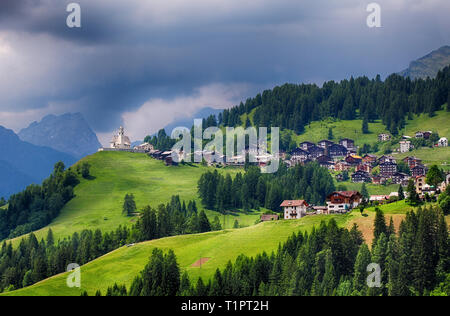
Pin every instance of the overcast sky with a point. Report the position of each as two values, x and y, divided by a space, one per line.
145 63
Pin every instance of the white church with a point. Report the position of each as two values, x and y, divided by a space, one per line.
120 141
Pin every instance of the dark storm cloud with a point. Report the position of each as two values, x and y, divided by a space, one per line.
128 52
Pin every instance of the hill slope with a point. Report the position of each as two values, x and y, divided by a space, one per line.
428 65
68 133
123 264
25 162
98 202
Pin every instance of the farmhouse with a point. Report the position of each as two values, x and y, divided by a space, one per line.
320 209
294 209
343 201
269 217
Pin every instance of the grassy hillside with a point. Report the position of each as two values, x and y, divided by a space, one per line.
123 264
373 189
98 202
317 131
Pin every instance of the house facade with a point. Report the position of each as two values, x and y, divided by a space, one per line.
370 159
400 178
298 155
294 209
361 177
336 150
343 201
419 170
405 146
387 169
420 182
412 161
316 151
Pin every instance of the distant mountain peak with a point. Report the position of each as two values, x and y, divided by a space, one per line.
68 133
428 65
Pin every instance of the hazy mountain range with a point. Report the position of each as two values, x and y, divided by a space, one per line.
428 65
68 133
22 163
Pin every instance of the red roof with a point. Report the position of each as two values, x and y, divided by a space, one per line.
347 194
293 203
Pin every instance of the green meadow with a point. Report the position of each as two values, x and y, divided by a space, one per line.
98 201
123 264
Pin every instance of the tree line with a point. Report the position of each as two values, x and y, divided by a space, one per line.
254 189
38 205
35 260
294 106
329 261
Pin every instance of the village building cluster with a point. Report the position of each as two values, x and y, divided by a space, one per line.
339 202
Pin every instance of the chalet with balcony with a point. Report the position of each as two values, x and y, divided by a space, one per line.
361 177
342 166
412 161
400 178
353 160
298 155
418 170
336 150
315 152
387 169
370 159
343 201
366 167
